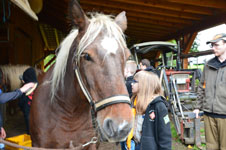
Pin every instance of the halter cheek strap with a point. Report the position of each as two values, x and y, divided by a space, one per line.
96 106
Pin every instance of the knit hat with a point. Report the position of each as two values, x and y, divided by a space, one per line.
29 75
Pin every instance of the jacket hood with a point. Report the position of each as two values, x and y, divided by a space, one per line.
159 99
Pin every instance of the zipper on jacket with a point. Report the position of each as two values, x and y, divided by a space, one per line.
215 86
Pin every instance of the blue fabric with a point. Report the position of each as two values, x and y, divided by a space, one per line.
5 97
137 147
124 147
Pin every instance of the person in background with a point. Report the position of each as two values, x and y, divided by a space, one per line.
212 95
145 65
129 71
25 100
152 125
5 97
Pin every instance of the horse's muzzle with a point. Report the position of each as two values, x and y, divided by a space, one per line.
116 132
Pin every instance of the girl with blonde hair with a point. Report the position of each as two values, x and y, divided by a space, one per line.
151 119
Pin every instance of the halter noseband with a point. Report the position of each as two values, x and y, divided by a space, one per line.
96 106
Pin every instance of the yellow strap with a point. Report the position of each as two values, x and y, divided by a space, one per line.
130 136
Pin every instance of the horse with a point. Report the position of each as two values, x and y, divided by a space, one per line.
10 80
83 95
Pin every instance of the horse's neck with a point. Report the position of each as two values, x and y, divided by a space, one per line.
72 97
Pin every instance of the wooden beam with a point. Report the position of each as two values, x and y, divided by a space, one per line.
204 3
141 9
147 30
154 22
197 54
57 38
168 6
151 26
143 16
44 37
139 28
188 41
206 23
140 36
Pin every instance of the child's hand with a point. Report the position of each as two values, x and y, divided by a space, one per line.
26 87
2 134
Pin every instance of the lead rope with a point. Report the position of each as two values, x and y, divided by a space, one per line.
79 147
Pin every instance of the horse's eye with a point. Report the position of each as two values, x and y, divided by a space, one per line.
87 57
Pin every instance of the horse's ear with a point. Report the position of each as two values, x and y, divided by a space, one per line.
121 20
78 16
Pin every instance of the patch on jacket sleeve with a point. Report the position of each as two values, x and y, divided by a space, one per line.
151 115
166 119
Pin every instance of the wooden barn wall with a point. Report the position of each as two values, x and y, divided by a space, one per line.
25 44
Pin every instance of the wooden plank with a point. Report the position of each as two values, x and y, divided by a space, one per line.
44 37
168 6
197 54
188 41
147 30
141 9
143 15
152 26
206 23
204 3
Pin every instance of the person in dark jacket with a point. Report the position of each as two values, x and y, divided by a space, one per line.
5 97
152 125
29 75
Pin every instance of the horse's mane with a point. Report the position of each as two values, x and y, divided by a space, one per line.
98 22
12 73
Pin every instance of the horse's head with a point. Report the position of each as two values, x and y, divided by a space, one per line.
100 57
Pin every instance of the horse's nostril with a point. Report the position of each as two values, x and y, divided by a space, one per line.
124 128
109 127
114 130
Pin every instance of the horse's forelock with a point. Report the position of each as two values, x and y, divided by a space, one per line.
98 22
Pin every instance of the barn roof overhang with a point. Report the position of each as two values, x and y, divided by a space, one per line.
148 20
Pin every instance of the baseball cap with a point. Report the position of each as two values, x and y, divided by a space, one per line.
218 37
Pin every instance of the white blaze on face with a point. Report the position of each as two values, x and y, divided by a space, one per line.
110 45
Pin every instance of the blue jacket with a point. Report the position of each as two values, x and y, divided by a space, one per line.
156 133
5 97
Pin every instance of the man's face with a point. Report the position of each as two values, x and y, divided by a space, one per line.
219 48
142 67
